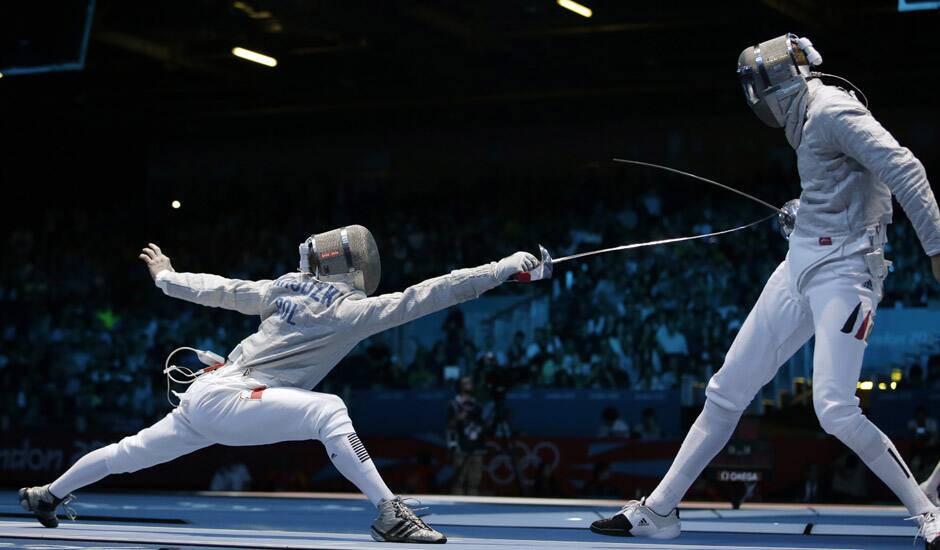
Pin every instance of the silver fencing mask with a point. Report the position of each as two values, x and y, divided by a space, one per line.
346 255
773 73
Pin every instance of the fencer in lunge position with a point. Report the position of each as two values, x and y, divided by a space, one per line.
828 286
310 319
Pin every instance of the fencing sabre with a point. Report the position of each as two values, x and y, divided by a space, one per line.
706 180
546 265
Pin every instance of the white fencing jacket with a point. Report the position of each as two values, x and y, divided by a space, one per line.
850 166
308 326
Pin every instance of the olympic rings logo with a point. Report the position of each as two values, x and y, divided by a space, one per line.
503 470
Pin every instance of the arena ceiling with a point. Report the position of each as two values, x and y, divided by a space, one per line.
175 56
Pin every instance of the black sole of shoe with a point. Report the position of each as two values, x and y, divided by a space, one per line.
610 532
442 541
385 539
49 525
48 522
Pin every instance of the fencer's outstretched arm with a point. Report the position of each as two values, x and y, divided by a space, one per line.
369 316
203 288
852 129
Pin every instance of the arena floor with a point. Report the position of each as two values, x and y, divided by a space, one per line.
333 521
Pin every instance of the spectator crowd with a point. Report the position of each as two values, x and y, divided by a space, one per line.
84 333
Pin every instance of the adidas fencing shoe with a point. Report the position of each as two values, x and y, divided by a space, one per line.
638 520
931 493
42 503
398 523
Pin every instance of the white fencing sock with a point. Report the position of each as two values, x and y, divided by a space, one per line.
707 437
87 470
352 460
880 455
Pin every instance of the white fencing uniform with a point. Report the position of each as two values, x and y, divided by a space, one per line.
307 326
828 286
261 395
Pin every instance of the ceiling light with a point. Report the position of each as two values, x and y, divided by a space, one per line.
576 7
254 56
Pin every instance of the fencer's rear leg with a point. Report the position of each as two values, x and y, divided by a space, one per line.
171 437
775 329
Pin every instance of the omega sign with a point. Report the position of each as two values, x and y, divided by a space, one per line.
747 477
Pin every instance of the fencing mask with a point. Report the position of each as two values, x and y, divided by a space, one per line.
346 255
774 73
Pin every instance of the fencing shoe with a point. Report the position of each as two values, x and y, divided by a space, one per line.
636 519
398 523
42 503
929 529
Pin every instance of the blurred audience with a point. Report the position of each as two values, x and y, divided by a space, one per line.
466 439
922 429
849 479
648 429
84 352
601 483
231 476
612 425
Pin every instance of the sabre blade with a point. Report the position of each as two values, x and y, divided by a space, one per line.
661 241
706 180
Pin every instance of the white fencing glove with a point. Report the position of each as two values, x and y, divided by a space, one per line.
517 263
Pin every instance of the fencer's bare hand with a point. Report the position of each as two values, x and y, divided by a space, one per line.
155 259
517 263
935 264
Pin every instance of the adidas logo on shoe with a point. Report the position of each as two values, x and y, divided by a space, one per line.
642 523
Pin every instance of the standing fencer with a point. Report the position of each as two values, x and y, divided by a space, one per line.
310 320
828 286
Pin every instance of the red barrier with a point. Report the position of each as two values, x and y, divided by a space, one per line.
528 466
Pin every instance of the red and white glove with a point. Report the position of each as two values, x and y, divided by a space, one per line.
517 263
